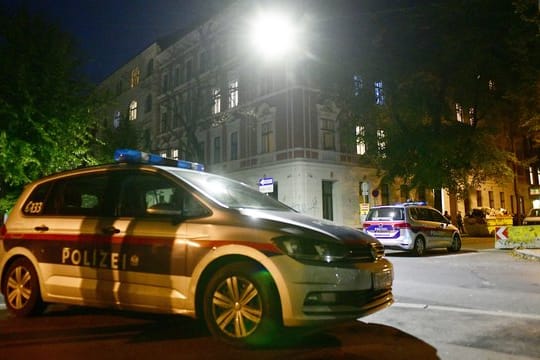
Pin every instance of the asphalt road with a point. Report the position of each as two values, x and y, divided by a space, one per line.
480 303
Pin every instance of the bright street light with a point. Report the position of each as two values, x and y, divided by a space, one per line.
274 35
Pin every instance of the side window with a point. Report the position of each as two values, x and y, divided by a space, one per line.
153 195
423 214
35 204
436 216
78 196
413 213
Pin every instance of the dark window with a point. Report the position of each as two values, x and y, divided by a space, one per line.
152 195
327 199
234 145
79 196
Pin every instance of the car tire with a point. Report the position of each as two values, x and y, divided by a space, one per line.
456 244
21 289
419 248
241 305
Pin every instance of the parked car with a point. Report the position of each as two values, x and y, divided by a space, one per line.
411 226
532 218
143 235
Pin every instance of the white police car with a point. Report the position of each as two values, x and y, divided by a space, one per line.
411 226
143 235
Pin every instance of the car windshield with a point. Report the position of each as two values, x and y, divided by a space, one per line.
386 213
534 213
230 193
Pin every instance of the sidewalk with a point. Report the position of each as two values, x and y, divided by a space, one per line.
530 254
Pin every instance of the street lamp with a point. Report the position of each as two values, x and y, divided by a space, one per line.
273 35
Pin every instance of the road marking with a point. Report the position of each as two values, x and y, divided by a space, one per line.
467 311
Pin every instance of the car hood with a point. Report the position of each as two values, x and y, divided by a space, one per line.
292 221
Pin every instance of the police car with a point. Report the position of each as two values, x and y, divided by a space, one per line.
141 234
411 226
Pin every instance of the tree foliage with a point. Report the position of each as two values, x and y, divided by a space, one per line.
45 119
477 58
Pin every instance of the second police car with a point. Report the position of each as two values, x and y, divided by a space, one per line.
143 235
412 226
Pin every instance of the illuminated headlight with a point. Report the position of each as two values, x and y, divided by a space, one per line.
307 249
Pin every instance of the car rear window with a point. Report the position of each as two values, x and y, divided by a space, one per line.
386 213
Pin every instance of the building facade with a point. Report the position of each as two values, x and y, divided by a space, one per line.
205 95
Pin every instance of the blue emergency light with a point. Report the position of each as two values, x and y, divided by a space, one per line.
140 157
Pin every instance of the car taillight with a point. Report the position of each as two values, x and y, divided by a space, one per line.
402 225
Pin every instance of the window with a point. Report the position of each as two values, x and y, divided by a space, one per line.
189 69
327 200
164 126
491 199
267 137
151 195
217 150
80 196
501 199
148 103
165 83
328 134
216 101
233 94
174 154
379 94
150 67
203 61
116 119
234 145
177 78
479 198
118 88
459 113
133 110
381 143
360 142
404 192
357 85
385 194
135 77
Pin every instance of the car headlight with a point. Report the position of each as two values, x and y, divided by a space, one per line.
308 249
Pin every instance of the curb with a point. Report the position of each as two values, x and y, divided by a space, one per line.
528 254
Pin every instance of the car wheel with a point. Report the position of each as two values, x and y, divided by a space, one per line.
456 244
21 289
241 305
419 246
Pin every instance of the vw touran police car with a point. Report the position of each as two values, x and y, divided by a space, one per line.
412 226
143 235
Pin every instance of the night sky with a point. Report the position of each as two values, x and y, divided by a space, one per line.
110 32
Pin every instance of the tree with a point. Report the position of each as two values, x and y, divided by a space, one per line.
45 118
439 63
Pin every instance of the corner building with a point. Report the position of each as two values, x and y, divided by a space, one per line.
205 94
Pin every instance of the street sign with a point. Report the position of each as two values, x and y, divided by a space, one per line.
266 185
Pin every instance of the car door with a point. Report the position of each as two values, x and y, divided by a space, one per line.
144 258
63 216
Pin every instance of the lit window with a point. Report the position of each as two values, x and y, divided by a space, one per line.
360 142
381 143
379 94
233 94
135 77
357 85
174 154
216 101
133 110
459 113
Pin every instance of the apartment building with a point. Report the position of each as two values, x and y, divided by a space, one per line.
206 95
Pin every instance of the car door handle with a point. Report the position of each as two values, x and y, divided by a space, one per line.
41 228
110 230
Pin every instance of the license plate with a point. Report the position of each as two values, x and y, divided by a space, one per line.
382 280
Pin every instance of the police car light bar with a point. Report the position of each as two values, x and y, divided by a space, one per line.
140 157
